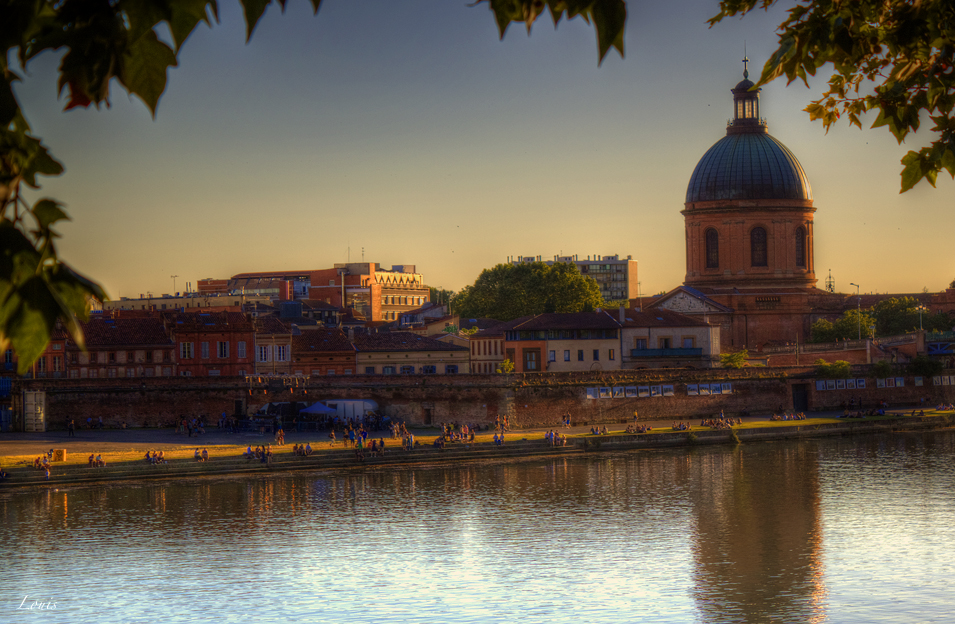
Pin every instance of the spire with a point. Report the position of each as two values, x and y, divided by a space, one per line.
745 62
746 105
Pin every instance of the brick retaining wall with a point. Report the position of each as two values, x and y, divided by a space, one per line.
531 400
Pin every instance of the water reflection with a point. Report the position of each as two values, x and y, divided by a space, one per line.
758 539
761 532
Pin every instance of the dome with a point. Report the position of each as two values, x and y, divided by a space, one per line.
744 85
748 165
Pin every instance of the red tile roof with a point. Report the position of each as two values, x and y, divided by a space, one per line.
123 332
321 340
401 341
271 325
573 320
210 321
660 317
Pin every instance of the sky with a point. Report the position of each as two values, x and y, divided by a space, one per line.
409 133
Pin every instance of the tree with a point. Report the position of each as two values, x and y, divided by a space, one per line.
440 296
735 359
510 291
117 40
900 315
882 369
506 367
839 369
894 57
846 327
925 366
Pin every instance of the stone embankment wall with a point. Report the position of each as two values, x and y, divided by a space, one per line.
529 400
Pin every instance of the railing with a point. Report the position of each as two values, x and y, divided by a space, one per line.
939 336
649 353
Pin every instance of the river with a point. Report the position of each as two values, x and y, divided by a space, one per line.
833 530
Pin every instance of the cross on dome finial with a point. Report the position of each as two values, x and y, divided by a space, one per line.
745 64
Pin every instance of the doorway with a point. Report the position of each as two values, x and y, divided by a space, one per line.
801 397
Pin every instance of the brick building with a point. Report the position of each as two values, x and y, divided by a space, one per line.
273 346
212 344
373 293
122 347
749 219
405 353
322 352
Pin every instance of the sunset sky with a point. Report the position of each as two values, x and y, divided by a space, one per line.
408 132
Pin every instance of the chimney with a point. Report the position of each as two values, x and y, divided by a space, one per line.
623 314
351 333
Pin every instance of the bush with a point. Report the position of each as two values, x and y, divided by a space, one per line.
925 366
882 369
840 369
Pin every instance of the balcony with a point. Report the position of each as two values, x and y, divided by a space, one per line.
655 353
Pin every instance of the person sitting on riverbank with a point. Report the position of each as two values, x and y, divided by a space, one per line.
308 449
205 455
197 455
268 456
100 462
160 457
150 458
92 460
36 463
331 436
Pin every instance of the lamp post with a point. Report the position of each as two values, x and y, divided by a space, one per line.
858 308
921 309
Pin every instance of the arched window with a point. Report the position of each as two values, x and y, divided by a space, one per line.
757 247
712 249
800 247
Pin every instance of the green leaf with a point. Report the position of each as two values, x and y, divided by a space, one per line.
28 316
610 18
186 15
253 12
8 101
144 68
912 172
47 212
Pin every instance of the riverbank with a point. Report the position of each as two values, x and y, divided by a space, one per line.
123 451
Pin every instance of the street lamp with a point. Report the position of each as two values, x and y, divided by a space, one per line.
858 308
921 309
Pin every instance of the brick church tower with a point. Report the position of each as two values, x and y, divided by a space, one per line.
749 208
749 237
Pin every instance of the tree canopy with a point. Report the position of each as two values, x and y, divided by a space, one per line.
891 317
510 291
846 327
893 57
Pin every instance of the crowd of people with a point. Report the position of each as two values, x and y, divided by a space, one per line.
720 423
638 428
262 453
156 457
788 416
302 450
555 438
191 426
